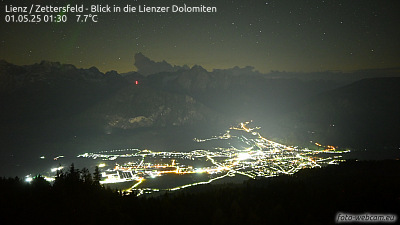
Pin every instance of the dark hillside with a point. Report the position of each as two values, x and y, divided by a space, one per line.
312 196
362 114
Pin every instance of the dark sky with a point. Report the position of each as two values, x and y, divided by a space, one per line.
285 35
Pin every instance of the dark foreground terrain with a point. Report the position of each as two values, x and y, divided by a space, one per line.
312 196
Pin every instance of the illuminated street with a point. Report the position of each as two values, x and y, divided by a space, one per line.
262 158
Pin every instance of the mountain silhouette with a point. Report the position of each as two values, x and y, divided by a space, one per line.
362 114
54 100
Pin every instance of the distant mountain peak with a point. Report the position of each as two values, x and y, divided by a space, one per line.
146 66
3 62
50 63
198 69
49 66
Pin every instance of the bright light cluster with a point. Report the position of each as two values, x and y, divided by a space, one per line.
262 158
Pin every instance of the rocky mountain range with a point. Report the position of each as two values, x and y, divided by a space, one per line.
54 99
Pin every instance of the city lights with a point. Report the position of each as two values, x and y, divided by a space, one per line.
264 158
260 158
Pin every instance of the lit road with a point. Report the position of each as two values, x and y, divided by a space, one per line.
263 158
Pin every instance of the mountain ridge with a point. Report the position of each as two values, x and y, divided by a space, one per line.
294 111
363 114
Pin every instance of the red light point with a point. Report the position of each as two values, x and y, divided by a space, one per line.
136 82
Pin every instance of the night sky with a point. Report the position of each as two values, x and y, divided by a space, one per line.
282 35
